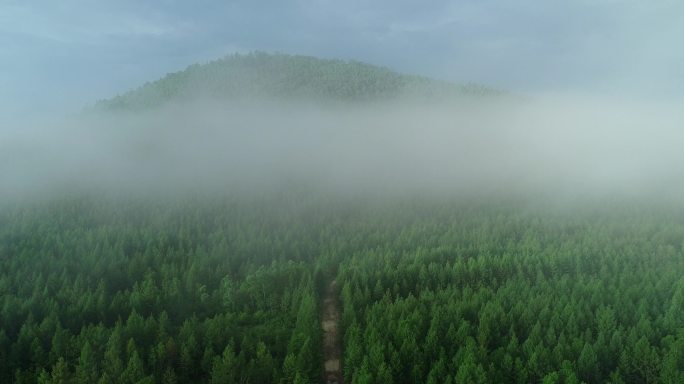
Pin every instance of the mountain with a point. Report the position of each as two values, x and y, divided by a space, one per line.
261 75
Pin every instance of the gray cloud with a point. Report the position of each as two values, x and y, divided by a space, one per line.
561 147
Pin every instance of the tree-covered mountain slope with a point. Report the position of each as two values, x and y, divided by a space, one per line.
279 76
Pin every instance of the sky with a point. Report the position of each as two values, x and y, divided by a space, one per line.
63 55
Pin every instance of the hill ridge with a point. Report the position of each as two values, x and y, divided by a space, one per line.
259 75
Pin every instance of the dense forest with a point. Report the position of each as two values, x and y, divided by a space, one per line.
228 290
189 293
260 75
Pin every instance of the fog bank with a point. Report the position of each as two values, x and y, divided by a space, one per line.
552 145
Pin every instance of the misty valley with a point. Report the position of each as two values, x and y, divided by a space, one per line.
268 218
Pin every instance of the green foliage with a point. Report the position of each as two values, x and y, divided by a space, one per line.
86 370
285 77
132 293
228 290
500 294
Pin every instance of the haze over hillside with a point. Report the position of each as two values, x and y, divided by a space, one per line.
262 121
287 77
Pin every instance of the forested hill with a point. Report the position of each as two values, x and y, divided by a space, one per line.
278 76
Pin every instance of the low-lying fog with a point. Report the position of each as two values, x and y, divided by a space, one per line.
555 145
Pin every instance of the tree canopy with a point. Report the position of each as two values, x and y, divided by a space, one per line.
229 291
284 77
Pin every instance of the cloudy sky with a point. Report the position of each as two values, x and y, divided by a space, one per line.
61 55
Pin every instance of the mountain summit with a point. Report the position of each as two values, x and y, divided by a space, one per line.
261 75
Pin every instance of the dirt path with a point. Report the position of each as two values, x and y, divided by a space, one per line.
332 347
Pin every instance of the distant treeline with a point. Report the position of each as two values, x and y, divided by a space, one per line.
284 77
228 291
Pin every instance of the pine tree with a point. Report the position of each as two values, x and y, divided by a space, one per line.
113 363
169 377
290 368
587 364
672 370
224 368
86 369
60 373
134 369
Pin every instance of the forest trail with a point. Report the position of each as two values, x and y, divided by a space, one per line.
332 348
